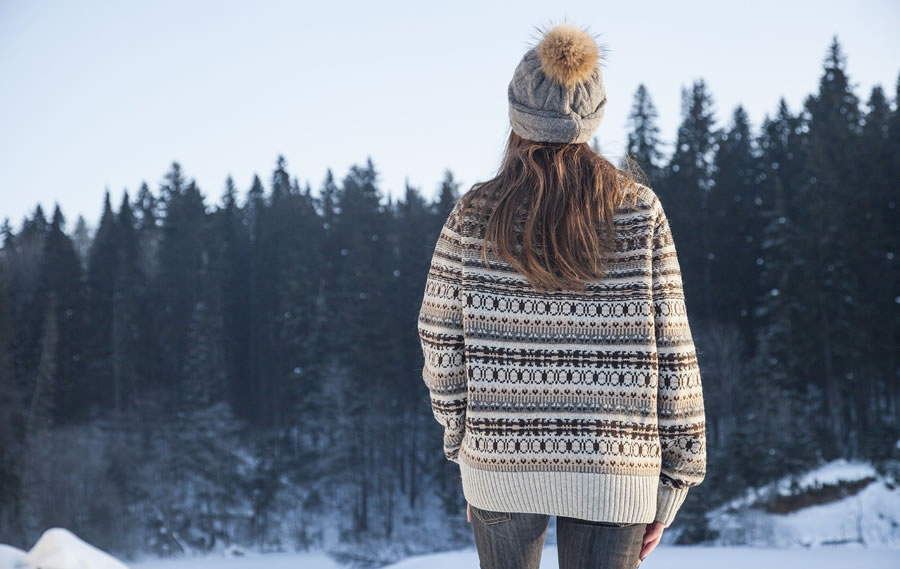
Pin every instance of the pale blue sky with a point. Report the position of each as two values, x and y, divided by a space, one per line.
99 95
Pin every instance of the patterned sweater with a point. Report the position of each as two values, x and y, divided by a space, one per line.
579 404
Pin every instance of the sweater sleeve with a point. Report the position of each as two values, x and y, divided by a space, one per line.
440 326
681 415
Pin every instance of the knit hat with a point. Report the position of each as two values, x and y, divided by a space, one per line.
557 93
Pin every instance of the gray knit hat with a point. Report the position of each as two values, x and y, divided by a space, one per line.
557 93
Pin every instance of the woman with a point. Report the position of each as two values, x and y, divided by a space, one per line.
558 353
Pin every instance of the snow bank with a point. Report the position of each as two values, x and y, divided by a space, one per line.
59 548
868 516
11 558
841 470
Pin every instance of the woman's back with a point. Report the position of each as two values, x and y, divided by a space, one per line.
586 404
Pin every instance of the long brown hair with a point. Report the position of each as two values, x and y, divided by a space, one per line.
557 198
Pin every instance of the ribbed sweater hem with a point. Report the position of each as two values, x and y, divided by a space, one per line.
582 495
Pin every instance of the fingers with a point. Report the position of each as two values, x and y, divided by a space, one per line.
648 546
651 540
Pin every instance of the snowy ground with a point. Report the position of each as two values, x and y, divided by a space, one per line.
825 536
668 557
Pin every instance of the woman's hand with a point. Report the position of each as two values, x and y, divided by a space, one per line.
468 513
652 534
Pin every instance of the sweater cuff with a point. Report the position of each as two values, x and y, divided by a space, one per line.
668 500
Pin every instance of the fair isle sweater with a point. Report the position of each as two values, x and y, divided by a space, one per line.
579 404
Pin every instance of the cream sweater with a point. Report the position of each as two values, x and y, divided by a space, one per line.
580 404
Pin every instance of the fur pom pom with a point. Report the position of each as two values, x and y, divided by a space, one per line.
568 54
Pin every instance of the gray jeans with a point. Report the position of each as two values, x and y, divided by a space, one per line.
513 540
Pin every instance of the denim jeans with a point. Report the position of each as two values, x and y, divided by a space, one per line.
513 540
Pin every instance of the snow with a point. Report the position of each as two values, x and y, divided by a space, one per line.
668 557
11 558
249 561
840 470
859 530
59 548
870 517
664 556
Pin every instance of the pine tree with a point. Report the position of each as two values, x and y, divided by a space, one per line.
831 240
361 328
281 180
889 205
230 246
103 266
81 237
147 206
181 259
61 277
643 136
684 194
779 255
299 339
416 233
23 253
128 291
448 194
146 209
730 267
257 326
11 426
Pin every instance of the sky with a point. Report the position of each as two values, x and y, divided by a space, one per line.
99 96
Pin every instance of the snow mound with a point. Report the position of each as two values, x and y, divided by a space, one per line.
840 502
11 558
59 548
841 470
